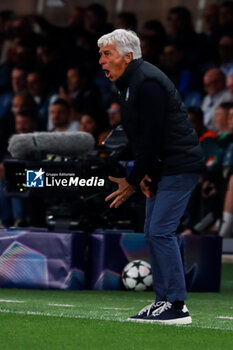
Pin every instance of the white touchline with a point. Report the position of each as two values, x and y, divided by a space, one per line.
48 314
11 301
117 308
63 305
226 317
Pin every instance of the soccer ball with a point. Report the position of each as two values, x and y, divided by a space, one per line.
137 276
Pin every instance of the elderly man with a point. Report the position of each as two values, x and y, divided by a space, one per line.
168 160
216 93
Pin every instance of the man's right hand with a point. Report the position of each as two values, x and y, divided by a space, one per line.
145 187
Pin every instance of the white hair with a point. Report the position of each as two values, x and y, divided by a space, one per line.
125 40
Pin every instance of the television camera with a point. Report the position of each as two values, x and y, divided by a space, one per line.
63 174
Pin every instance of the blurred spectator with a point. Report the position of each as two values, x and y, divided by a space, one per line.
76 17
18 79
5 17
5 103
24 55
215 172
36 86
181 32
23 101
6 49
6 40
214 85
225 51
221 118
173 65
18 82
212 34
155 29
153 33
21 29
51 63
208 141
13 211
211 18
63 35
95 21
88 124
114 119
229 84
126 20
226 229
204 212
114 113
217 176
80 92
91 122
60 117
25 122
226 15
206 137
150 50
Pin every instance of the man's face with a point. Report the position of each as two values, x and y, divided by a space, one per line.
225 49
87 124
18 80
23 125
220 119
59 115
211 16
225 16
73 80
171 56
114 115
175 24
18 103
212 84
34 84
112 63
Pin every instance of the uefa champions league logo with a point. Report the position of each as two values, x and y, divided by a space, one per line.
35 178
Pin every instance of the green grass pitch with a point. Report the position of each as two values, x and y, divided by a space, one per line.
96 320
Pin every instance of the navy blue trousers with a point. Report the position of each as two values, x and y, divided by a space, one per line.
163 213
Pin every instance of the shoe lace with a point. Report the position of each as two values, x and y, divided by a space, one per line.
150 307
165 306
147 309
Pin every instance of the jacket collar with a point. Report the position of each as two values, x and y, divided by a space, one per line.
124 78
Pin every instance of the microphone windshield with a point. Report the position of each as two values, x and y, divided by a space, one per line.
38 145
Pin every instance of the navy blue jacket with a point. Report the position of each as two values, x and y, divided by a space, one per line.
156 123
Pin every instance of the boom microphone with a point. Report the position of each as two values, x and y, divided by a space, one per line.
38 145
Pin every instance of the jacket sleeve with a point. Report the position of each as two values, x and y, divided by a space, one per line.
152 107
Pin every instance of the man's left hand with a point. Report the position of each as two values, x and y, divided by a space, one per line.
125 190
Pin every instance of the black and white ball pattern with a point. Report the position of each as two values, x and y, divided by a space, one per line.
137 275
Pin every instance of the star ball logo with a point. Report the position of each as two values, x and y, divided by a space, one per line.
35 178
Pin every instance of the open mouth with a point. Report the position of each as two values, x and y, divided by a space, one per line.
107 73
